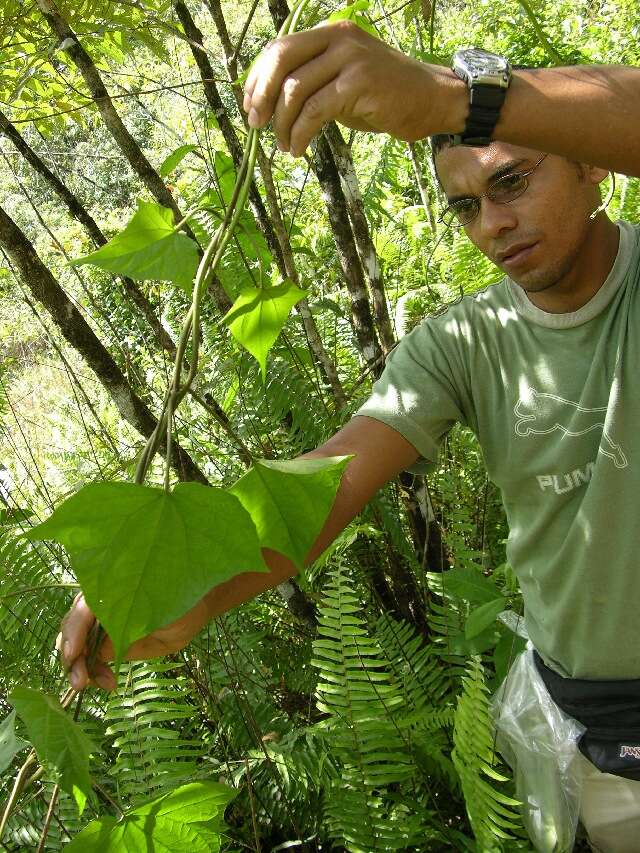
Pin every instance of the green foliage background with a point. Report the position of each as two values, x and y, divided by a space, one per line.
336 735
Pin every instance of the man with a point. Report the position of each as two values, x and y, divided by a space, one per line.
540 366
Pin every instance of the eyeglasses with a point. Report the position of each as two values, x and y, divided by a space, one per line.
503 191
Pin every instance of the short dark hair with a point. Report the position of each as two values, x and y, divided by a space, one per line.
439 141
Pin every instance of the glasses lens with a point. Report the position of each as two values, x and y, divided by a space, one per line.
462 212
508 188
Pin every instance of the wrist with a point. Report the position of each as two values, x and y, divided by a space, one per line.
450 98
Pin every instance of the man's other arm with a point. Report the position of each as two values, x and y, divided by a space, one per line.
379 452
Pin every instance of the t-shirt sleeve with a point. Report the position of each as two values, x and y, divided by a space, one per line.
417 394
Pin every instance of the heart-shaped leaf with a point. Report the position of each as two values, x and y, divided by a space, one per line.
258 316
149 248
57 740
144 557
187 820
289 501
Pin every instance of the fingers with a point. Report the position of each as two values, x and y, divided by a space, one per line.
76 625
317 110
298 88
279 58
102 676
71 643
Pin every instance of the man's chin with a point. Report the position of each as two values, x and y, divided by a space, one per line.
532 283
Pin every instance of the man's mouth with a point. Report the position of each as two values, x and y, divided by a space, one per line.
517 255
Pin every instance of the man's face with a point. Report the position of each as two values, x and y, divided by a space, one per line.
548 223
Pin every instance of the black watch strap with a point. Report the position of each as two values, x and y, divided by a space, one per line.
484 109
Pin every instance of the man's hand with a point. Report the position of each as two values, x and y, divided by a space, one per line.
72 644
338 71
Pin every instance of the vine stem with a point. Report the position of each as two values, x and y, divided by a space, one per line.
190 331
191 326
253 807
47 820
18 785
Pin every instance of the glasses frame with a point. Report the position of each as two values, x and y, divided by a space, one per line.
487 194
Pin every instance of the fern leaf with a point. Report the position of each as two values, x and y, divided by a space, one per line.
363 701
491 812
149 724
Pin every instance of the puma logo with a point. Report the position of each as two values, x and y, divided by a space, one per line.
541 414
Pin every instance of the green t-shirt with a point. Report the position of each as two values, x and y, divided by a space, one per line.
554 400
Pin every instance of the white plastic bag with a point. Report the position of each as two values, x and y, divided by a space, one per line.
540 744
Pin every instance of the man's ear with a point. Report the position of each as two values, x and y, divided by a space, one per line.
594 174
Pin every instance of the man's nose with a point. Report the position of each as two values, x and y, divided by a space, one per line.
494 219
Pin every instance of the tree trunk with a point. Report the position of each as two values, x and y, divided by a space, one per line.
45 288
427 537
364 243
327 174
425 196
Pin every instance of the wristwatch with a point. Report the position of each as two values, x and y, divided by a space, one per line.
488 76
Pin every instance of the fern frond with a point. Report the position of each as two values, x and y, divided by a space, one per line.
417 668
491 812
150 725
366 823
288 405
29 621
363 701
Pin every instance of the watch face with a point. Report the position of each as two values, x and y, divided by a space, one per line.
484 62
479 66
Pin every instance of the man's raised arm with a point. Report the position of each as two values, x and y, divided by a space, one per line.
588 113
379 454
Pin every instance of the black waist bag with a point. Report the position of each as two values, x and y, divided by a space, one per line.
610 712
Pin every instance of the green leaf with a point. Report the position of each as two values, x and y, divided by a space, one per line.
231 395
483 617
57 740
352 12
290 501
149 248
144 557
226 174
10 745
505 652
155 45
458 644
469 585
295 355
187 820
176 157
257 317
